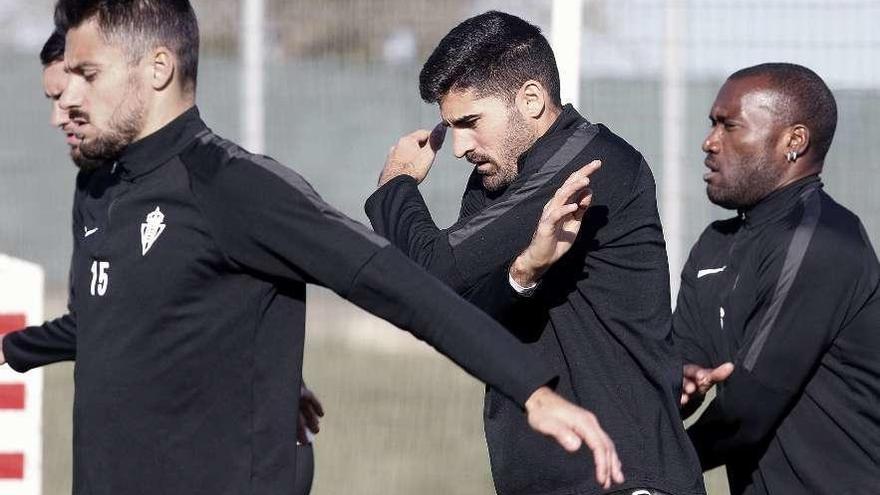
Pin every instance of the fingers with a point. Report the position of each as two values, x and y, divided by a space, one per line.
301 436
588 169
688 387
576 182
571 427
604 453
617 470
419 136
721 373
438 135
316 404
698 379
553 217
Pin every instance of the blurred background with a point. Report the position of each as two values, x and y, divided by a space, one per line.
326 86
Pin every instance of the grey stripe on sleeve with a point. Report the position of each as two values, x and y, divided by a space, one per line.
797 248
296 181
580 138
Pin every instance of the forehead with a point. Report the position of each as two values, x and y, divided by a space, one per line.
458 104
749 95
85 44
54 78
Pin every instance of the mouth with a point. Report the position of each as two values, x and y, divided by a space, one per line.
75 132
73 140
713 169
484 168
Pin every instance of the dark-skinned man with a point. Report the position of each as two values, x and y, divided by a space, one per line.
779 305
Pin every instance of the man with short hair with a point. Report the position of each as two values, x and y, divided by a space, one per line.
189 269
599 317
780 305
56 341
54 82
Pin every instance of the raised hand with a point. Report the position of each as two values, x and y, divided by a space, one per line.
558 228
413 154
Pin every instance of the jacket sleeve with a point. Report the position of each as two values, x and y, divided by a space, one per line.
808 304
51 342
272 224
398 211
36 346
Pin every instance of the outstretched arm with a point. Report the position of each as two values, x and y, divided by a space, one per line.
271 223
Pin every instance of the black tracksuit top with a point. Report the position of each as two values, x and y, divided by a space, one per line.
788 292
187 314
600 317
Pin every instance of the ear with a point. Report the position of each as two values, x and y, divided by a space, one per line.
797 139
161 66
531 99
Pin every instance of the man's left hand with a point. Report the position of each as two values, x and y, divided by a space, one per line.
559 225
310 412
413 154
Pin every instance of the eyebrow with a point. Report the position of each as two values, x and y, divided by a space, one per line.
80 67
461 120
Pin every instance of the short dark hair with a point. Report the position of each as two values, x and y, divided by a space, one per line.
492 53
806 99
141 25
53 49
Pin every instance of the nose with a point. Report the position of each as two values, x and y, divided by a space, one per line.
71 97
462 142
59 116
710 144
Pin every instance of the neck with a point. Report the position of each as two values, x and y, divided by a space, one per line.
799 172
162 113
547 119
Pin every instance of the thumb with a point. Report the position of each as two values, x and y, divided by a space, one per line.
721 373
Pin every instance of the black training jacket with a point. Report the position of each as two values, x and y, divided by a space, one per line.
600 317
187 314
787 291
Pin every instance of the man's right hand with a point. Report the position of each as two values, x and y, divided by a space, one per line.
2 357
571 426
413 154
696 380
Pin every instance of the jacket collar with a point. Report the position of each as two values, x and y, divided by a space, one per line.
566 122
147 154
778 203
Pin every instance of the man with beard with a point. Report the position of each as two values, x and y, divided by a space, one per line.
57 341
599 317
779 305
189 272
54 82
